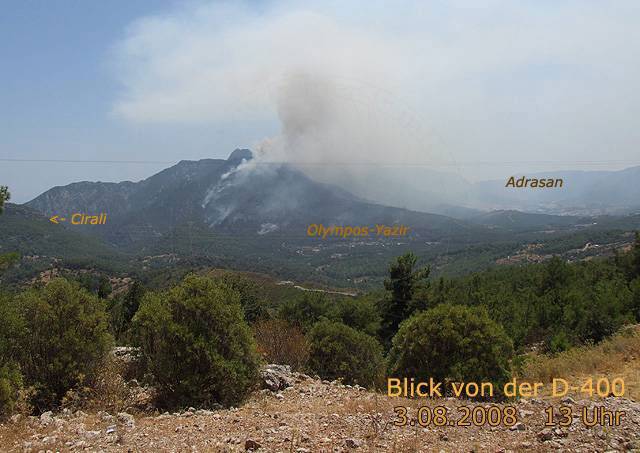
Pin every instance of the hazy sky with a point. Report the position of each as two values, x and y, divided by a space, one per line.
480 88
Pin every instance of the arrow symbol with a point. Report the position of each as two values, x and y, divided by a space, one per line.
55 218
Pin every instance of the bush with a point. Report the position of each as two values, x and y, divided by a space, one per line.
635 298
559 342
608 358
282 343
339 351
66 339
122 309
11 331
253 303
7 259
10 385
359 313
305 310
309 308
196 343
451 342
108 390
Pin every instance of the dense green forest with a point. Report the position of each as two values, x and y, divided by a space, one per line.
558 303
354 264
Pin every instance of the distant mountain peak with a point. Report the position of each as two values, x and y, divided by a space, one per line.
239 154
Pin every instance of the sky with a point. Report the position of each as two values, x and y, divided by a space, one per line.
478 88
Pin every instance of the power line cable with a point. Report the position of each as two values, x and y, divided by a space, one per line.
322 164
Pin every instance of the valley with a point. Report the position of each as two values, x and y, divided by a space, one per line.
245 221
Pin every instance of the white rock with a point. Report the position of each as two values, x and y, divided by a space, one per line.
126 419
46 418
91 434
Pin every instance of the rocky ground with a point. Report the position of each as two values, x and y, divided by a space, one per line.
297 413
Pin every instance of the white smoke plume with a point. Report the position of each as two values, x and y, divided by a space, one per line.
395 87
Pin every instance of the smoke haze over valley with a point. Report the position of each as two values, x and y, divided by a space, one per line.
350 94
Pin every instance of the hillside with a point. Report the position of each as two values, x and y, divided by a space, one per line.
234 197
42 245
245 215
583 193
239 214
518 221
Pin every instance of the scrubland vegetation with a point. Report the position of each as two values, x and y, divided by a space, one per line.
617 356
196 343
203 340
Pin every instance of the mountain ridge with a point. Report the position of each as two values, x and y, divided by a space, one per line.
232 196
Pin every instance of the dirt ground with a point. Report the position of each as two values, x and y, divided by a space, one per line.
318 416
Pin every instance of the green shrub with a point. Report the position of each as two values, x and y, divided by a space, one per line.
11 332
12 329
559 342
635 298
253 303
339 351
451 342
8 259
66 338
10 384
305 310
122 309
359 313
309 308
197 344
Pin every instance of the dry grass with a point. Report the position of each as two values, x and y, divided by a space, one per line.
282 343
312 415
107 391
618 356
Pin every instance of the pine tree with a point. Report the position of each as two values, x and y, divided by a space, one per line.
635 257
402 284
4 197
7 258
